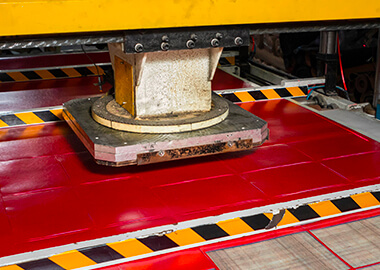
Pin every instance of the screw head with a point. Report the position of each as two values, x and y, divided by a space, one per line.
238 41
165 38
219 36
190 44
165 46
194 37
139 47
161 153
215 42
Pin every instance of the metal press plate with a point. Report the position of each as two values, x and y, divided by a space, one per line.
241 130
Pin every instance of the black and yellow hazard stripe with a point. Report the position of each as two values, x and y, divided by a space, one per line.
30 118
227 61
253 95
53 73
86 257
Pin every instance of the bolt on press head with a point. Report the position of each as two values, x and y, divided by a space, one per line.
165 46
215 42
238 41
190 44
139 47
194 37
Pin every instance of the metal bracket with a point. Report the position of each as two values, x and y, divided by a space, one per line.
185 38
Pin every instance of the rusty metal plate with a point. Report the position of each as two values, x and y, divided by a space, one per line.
241 130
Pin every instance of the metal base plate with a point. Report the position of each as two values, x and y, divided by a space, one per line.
240 130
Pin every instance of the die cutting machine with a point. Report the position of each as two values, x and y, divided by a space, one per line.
163 107
164 55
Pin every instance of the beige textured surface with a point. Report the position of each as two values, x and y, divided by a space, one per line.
296 251
357 242
171 81
174 82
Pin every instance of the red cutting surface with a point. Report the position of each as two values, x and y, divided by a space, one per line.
46 93
224 81
52 61
52 193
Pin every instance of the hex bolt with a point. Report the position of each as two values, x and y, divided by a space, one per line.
165 38
190 44
139 47
238 41
165 46
219 36
194 37
215 42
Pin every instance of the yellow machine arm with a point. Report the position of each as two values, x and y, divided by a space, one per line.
34 17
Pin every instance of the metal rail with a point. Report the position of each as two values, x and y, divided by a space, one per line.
25 42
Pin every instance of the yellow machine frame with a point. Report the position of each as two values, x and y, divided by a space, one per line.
31 17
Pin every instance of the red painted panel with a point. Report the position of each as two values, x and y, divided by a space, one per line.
336 146
209 196
7 241
39 218
36 141
362 167
182 171
53 60
81 168
16 176
224 81
123 204
38 94
263 157
289 122
297 181
35 131
182 260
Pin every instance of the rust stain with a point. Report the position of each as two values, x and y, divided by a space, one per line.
195 151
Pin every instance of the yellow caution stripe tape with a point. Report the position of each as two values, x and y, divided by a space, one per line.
53 73
90 256
265 94
230 60
30 118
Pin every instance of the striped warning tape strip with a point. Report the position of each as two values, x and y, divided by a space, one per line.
30 118
230 60
93 257
54 73
253 95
